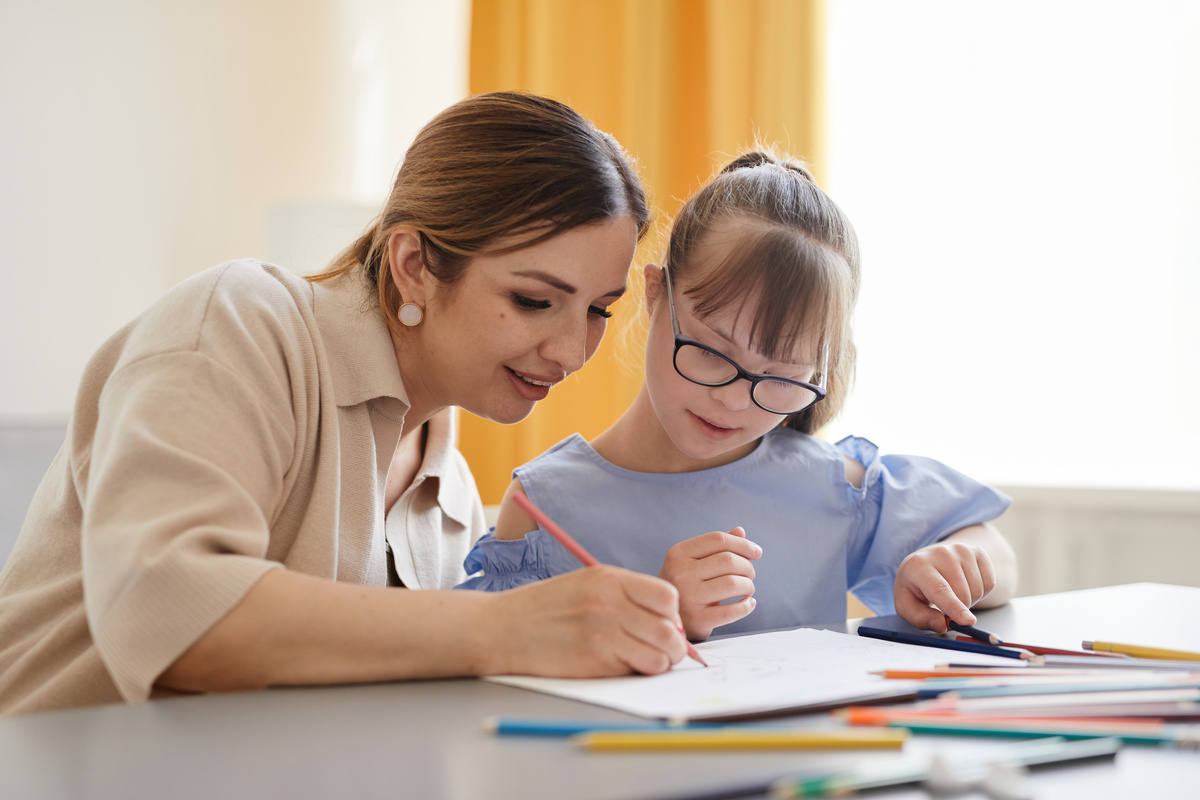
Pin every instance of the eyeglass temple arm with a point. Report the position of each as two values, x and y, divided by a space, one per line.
671 299
824 384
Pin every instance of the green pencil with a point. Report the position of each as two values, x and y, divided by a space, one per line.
1185 736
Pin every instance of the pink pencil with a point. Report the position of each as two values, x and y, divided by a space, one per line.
576 549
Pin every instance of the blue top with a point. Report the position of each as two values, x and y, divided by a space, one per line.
820 536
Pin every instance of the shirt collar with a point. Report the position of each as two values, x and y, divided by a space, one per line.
456 487
362 358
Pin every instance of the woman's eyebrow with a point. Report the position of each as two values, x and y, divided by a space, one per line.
546 277
560 284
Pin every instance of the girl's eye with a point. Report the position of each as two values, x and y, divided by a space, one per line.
600 312
529 303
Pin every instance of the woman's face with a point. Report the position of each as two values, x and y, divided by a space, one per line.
709 425
515 324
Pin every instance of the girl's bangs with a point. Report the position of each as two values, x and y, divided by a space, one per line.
796 289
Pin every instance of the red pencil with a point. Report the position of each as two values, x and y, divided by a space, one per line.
1041 651
551 527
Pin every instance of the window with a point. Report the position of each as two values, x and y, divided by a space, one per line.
1025 184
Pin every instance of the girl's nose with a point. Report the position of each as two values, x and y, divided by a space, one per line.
734 396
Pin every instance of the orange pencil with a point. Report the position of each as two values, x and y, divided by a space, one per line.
576 549
921 674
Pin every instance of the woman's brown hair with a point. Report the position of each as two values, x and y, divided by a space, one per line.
795 263
490 167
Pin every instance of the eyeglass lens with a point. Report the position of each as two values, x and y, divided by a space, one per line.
710 369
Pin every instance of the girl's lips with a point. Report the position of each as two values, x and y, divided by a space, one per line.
527 388
715 432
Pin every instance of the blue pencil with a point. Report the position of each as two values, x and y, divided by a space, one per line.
512 726
971 630
934 641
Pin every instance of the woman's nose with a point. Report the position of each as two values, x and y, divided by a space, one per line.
567 345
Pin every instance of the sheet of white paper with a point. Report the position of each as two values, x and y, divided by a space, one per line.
761 672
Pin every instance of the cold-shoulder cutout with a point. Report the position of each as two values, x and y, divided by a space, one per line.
512 522
855 472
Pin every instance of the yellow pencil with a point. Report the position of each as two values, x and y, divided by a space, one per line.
743 739
1137 651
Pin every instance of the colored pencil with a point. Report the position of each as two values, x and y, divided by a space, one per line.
1047 651
743 739
874 716
1039 752
961 672
577 550
935 641
517 726
971 630
1138 651
962 692
1187 736
1089 662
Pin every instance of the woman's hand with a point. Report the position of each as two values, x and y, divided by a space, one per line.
708 569
594 622
954 575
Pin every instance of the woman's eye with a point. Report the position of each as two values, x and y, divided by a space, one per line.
528 302
597 311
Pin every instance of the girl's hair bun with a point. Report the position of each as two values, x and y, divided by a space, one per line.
761 158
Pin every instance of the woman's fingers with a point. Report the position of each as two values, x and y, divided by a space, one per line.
593 622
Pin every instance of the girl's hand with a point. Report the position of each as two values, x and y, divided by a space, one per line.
594 622
708 569
952 575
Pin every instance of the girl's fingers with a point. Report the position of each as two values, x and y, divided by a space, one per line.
715 616
720 564
709 544
721 589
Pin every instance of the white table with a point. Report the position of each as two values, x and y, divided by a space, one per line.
423 739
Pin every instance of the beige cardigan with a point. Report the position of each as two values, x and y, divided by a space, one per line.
244 422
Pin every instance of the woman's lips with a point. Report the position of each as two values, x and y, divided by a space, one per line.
530 387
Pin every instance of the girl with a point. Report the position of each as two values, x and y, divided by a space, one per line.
750 327
253 461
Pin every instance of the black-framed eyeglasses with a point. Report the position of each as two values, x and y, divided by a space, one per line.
705 366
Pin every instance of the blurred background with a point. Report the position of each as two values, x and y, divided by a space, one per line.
1023 177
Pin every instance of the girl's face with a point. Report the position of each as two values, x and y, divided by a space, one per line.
516 324
709 425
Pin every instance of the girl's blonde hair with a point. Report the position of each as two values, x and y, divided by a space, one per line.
796 262
490 167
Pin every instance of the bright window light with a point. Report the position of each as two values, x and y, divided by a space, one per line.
1026 189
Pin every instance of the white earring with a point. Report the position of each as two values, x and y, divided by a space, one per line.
410 315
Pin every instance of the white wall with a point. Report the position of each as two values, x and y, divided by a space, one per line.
1025 182
142 141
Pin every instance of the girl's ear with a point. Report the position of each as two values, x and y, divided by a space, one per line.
654 286
406 265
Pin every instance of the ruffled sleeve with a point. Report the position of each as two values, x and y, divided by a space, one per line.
904 504
511 563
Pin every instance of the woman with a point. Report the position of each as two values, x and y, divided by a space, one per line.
252 461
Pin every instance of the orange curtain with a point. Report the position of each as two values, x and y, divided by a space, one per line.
683 85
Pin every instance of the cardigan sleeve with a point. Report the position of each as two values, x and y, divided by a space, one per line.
194 439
